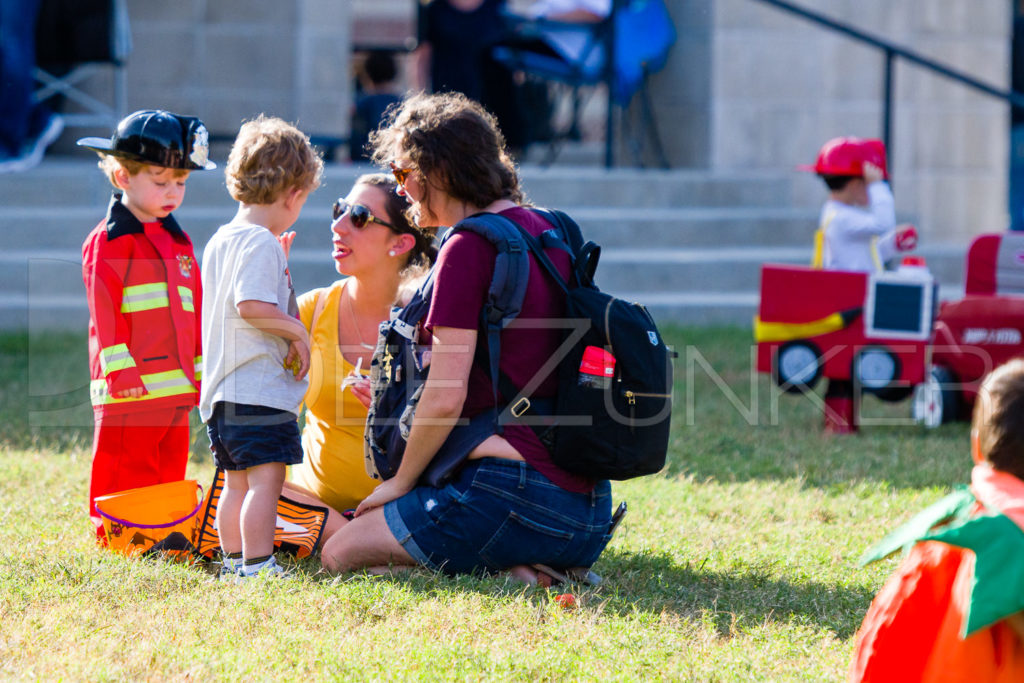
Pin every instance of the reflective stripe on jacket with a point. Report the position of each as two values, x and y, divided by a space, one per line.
144 291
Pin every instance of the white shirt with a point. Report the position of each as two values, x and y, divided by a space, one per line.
857 238
547 8
572 42
242 364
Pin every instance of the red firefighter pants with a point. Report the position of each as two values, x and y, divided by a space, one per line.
137 449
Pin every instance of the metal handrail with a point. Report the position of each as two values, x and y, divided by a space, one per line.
1014 98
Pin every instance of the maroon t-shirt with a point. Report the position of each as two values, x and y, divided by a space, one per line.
463 275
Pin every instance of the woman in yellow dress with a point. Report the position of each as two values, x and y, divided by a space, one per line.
378 249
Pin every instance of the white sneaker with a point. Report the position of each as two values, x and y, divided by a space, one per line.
47 136
268 568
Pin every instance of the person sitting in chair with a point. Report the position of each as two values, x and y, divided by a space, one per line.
569 43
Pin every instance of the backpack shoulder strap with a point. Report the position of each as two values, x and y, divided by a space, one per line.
511 267
508 285
405 322
571 233
584 255
552 239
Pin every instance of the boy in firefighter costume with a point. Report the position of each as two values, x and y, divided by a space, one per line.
857 231
952 610
143 286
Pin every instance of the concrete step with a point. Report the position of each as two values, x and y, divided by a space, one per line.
731 269
563 187
65 228
56 271
22 311
82 184
698 286
715 307
688 244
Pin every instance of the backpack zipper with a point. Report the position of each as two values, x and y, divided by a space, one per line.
631 397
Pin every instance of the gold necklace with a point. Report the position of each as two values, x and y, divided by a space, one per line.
355 324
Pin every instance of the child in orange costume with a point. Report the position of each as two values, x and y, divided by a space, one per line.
952 611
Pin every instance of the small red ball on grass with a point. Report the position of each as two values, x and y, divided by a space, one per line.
565 600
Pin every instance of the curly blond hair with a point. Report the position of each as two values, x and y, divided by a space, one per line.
270 157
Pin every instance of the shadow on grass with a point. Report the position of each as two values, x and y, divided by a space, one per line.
654 584
740 599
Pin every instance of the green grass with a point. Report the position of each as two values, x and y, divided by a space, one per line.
737 563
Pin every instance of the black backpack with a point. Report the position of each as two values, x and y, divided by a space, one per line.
616 432
618 428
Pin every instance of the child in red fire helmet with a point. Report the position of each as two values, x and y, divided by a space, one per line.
857 229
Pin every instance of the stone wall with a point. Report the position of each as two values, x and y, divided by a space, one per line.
229 60
681 92
747 86
765 88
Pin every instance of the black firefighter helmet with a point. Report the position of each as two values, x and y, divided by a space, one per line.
160 138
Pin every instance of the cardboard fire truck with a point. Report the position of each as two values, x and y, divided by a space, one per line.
871 330
888 334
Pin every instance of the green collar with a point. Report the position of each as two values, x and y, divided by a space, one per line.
997 584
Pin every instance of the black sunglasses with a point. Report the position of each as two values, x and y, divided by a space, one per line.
359 214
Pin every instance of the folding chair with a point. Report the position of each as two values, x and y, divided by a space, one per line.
77 40
620 52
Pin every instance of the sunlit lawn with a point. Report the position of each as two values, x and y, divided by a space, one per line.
737 563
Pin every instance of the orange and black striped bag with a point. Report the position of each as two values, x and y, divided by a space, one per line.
298 531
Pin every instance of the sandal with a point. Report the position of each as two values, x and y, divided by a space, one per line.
549 577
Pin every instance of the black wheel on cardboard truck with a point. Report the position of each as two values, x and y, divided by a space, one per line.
797 366
935 400
875 370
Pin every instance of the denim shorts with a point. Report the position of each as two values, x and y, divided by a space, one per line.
244 436
499 513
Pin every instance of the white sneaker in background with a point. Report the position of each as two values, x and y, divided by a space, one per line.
47 136
34 150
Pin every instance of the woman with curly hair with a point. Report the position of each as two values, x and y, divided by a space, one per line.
509 506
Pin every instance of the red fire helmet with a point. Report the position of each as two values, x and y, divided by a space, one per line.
845 156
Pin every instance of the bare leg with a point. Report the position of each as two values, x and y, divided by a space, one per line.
365 542
532 575
259 511
229 510
524 573
334 519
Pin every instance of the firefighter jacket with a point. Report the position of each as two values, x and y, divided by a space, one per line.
144 290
